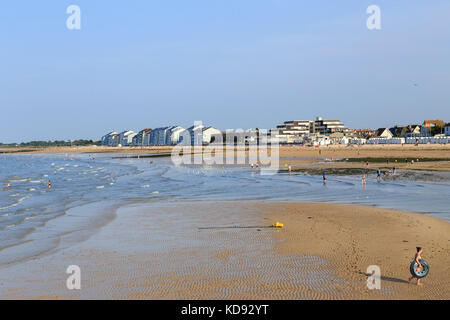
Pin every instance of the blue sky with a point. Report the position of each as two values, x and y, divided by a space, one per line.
231 64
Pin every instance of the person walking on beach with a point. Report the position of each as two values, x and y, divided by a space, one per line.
393 171
417 258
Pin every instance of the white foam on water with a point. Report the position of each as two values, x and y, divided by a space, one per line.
19 180
19 201
100 187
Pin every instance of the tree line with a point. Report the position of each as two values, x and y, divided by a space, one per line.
56 143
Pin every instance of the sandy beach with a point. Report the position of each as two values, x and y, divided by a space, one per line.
157 251
166 240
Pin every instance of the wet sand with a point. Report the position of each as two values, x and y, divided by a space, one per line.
157 251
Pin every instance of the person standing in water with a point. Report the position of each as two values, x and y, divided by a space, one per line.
8 186
417 258
378 175
363 180
49 184
324 178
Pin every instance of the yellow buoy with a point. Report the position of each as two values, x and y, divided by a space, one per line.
278 225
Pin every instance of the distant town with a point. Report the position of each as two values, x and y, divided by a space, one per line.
316 132
313 132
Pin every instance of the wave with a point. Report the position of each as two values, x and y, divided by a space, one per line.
20 180
19 201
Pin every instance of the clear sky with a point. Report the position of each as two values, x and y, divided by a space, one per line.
229 63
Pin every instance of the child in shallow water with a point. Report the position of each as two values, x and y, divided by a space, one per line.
417 258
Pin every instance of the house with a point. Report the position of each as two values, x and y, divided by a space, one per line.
413 130
362 133
210 134
433 123
432 127
398 131
139 138
173 135
163 136
337 135
147 138
447 129
126 137
110 139
158 136
250 136
383 133
199 135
